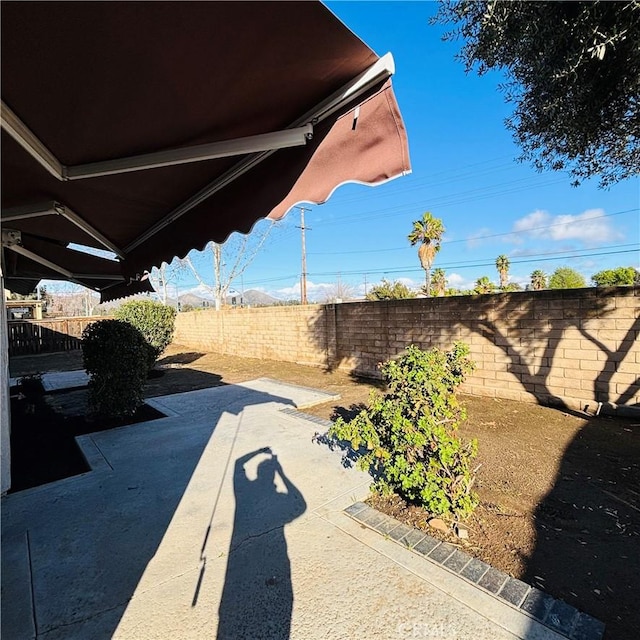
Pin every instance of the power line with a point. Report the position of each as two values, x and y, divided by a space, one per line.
493 235
491 263
543 257
438 204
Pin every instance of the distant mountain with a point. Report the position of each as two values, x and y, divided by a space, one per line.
255 298
195 301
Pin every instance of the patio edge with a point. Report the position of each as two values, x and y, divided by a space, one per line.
551 612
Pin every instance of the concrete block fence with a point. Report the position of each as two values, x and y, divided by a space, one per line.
577 347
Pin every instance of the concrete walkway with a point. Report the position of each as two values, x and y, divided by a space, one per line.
225 520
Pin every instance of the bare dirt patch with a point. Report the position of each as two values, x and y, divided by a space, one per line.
559 491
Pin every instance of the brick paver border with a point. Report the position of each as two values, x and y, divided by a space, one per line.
556 614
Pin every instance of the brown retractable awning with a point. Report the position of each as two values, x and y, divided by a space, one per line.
37 259
151 128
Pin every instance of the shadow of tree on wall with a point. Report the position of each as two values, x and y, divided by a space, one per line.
532 363
588 524
587 527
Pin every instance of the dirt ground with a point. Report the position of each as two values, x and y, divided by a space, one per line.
559 492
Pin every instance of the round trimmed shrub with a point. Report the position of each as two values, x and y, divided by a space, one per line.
115 355
156 322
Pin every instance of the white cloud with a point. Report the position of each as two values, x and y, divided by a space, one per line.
408 282
315 291
589 227
456 281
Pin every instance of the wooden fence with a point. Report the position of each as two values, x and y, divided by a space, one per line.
46 336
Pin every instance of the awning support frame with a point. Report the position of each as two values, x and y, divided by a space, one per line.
56 208
380 71
18 130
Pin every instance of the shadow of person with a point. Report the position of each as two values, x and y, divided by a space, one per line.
257 599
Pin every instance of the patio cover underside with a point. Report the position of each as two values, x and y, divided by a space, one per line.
96 82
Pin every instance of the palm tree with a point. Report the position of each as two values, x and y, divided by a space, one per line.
502 265
484 285
428 232
439 282
538 280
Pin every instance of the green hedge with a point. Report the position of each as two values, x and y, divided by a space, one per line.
116 357
156 322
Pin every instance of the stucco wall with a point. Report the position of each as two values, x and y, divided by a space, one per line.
5 409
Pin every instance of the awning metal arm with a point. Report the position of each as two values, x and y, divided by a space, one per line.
72 277
30 142
18 130
380 71
40 260
56 208
227 148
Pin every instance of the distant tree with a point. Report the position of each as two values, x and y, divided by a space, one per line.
386 290
45 296
484 285
512 286
538 280
166 277
572 74
566 278
615 277
502 265
427 232
230 260
339 292
286 303
438 282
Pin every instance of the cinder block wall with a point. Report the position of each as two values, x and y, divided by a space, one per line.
291 334
576 347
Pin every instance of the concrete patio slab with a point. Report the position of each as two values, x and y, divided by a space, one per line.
59 380
225 519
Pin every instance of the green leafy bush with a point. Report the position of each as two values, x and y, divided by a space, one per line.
408 436
386 290
154 320
115 355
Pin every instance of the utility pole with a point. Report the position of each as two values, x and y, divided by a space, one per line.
303 279
365 285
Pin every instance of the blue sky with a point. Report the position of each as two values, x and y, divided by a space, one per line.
464 171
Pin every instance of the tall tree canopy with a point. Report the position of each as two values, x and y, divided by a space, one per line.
502 265
427 233
538 280
573 75
616 277
484 285
566 278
